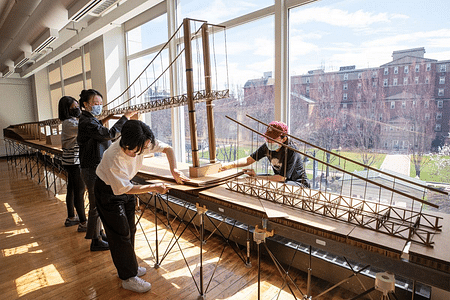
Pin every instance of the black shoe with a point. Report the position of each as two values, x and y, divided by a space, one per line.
103 235
99 245
74 221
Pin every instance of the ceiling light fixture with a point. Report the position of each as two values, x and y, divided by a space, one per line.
8 71
22 59
46 38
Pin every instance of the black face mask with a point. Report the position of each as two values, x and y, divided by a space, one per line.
75 112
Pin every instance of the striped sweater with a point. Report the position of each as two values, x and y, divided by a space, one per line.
69 142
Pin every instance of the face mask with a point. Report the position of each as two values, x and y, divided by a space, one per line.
96 110
273 146
75 112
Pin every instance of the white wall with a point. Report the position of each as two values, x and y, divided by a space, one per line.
45 109
115 62
97 57
17 105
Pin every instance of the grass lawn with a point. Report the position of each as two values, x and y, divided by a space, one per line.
344 164
429 173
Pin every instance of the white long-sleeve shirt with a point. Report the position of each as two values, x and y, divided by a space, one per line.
117 169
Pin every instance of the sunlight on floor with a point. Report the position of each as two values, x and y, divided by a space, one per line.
21 250
38 279
12 233
18 220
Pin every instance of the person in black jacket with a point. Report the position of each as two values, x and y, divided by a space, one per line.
94 138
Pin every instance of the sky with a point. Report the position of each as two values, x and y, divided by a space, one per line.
325 35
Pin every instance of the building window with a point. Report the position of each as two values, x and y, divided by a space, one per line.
345 86
385 82
394 83
412 127
440 104
395 70
344 105
441 92
416 80
374 74
346 76
359 85
405 81
429 67
438 115
374 83
406 70
403 104
381 117
358 105
427 116
442 80
438 127
417 68
386 71
374 96
427 80
308 80
443 68
392 104
359 75
426 104
307 89
344 96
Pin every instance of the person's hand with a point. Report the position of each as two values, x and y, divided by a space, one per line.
129 114
179 177
227 166
160 188
249 172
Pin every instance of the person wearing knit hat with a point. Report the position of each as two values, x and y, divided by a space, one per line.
287 164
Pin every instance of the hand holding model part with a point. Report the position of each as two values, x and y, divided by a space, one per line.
161 188
179 177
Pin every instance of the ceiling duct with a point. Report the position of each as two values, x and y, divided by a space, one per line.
22 60
44 40
8 71
81 8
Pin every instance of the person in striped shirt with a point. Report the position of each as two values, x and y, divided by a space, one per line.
69 112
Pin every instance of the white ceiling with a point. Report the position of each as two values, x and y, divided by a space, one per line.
23 21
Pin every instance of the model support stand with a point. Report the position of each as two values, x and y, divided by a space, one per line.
163 204
259 236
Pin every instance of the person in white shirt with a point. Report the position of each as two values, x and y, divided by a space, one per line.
114 193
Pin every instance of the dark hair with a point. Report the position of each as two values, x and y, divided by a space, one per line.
135 134
87 95
64 106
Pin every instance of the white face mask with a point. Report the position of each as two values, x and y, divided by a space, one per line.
273 146
96 110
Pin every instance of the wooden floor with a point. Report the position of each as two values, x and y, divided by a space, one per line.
42 259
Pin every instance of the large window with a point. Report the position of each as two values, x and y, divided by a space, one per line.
216 12
66 76
334 39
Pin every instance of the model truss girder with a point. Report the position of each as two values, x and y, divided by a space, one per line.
395 221
169 102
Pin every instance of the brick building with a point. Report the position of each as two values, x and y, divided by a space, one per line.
401 105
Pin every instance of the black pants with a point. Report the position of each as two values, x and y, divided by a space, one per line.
117 215
75 192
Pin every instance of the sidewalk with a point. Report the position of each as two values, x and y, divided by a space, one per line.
399 163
